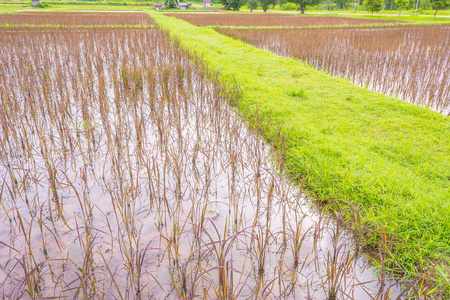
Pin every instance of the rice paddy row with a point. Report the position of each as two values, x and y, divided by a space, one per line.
256 20
75 18
408 62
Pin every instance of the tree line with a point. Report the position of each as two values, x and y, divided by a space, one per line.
370 5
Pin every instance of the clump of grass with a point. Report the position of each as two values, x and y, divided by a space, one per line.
298 93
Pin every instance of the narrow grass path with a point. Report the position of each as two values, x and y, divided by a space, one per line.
351 144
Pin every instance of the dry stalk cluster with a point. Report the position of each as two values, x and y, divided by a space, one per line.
408 62
125 174
270 20
75 18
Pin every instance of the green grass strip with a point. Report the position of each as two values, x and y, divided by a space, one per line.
351 144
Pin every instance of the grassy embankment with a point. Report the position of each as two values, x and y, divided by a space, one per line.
352 145
416 19
360 12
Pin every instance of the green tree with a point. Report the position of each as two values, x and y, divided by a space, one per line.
389 4
267 3
439 5
303 3
401 4
340 4
232 4
252 4
425 4
170 3
373 5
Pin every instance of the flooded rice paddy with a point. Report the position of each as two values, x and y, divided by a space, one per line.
126 174
99 18
408 62
282 20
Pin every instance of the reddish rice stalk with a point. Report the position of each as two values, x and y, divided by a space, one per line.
76 18
271 20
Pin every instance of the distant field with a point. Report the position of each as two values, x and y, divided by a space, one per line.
74 18
271 20
410 63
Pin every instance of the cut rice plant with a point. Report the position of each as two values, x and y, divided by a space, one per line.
75 18
270 20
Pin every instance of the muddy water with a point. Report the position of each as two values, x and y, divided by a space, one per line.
126 174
